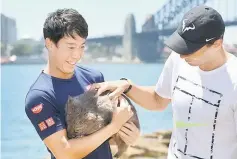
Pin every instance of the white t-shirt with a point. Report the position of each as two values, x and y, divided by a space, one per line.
204 105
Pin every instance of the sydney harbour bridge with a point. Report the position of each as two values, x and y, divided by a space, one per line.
148 44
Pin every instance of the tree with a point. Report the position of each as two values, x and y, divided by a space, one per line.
38 49
27 47
22 50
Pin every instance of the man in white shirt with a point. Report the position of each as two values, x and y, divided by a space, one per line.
200 80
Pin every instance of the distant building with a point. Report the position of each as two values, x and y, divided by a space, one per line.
129 44
149 24
8 30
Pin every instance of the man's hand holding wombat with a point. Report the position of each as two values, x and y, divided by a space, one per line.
120 116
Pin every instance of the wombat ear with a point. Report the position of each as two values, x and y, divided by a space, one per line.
69 101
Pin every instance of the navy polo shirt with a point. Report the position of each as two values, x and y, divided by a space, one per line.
46 99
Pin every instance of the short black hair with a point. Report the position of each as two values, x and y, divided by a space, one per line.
64 22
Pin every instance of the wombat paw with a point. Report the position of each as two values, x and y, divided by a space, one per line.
117 155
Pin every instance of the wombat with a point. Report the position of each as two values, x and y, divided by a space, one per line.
87 113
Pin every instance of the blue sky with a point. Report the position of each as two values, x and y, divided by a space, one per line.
106 17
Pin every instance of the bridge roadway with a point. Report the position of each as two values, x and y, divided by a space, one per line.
117 39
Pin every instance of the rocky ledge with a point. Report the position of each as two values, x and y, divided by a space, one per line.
150 146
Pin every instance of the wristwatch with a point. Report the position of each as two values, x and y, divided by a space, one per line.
130 85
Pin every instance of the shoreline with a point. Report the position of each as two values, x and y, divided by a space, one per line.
41 63
37 61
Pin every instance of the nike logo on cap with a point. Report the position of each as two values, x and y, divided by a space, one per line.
209 39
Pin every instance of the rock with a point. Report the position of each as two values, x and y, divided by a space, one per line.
149 146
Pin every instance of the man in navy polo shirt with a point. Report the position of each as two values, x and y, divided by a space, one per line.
65 33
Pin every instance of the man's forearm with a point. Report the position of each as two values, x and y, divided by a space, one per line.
81 147
145 96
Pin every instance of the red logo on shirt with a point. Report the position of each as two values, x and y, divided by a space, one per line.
37 109
50 122
42 126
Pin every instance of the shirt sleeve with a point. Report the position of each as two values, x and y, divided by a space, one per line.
98 77
164 84
42 113
101 78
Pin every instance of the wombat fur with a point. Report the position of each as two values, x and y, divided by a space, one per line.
87 113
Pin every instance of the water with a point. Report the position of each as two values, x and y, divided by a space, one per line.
20 140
